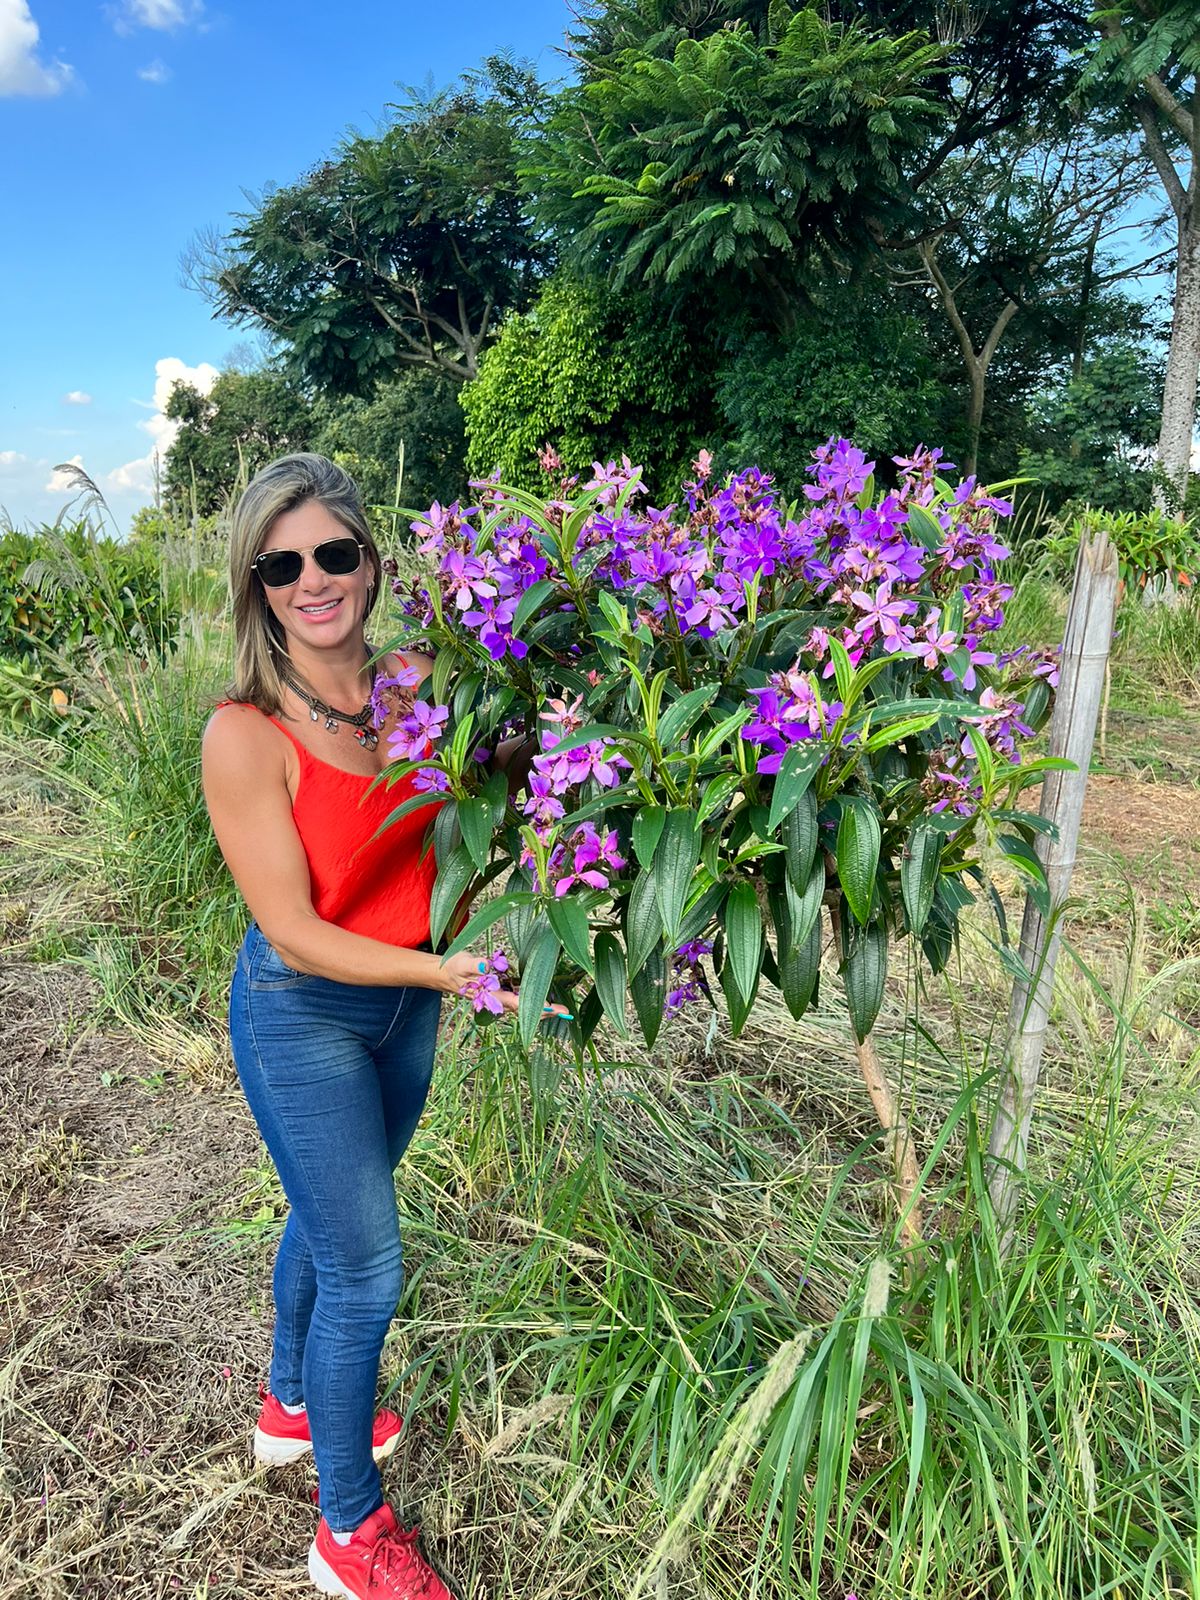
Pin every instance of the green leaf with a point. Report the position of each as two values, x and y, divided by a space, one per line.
804 909
799 967
799 838
643 922
738 1004
531 601
675 865
569 920
495 792
610 979
489 914
649 991
925 528
744 938
858 841
475 820
521 919
413 803
446 831
647 830
843 670
717 735
698 917
795 774
453 879
864 972
717 792
537 973
918 874
682 713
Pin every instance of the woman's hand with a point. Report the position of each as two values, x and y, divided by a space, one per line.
455 974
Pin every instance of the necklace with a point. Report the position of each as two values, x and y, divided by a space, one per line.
360 721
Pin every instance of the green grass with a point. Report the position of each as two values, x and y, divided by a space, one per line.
658 1319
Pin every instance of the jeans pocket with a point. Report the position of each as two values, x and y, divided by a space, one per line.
268 969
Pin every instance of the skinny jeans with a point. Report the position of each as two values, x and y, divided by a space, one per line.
336 1075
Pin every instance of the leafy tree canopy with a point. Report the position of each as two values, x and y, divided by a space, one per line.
246 420
399 251
420 412
754 157
595 375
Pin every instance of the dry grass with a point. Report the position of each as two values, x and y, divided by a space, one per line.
138 1220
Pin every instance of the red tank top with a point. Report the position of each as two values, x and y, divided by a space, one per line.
379 887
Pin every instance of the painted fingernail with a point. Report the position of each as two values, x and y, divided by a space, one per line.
483 966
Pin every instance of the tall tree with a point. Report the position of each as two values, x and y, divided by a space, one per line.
401 251
246 420
1011 230
1151 49
745 160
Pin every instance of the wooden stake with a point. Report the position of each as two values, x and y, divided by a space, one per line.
1072 733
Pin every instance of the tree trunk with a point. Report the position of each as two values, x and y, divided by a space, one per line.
1183 364
976 381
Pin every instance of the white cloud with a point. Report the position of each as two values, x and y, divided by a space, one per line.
77 397
21 69
12 458
138 476
62 482
162 15
156 72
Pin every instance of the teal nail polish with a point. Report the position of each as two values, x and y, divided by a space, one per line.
483 966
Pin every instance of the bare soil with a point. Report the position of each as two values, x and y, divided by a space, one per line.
133 1325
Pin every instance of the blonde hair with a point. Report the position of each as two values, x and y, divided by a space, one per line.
259 645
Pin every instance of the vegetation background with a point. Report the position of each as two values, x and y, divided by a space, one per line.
659 1333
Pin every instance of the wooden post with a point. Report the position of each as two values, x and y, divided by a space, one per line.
1072 732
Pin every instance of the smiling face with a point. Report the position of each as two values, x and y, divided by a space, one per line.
320 610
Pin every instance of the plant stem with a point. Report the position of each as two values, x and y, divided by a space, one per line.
906 1170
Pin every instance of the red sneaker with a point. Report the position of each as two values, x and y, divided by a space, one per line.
281 1437
381 1562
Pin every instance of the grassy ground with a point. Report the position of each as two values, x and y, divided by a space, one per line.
647 1344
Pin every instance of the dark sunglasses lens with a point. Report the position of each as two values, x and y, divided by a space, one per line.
337 556
278 568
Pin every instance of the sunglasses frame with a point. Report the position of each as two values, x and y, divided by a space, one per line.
309 550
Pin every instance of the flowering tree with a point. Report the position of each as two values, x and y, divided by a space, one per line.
742 713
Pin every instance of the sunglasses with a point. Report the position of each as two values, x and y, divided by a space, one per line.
337 557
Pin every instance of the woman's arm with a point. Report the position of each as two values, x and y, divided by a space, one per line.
245 769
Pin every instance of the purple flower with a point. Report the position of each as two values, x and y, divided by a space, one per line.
483 991
417 732
431 780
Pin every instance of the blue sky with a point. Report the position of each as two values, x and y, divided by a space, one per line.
134 124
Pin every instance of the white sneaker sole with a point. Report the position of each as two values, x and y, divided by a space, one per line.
270 1451
323 1575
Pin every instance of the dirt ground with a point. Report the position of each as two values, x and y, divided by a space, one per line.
134 1290
134 1326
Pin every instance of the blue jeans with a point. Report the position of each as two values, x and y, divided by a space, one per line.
336 1075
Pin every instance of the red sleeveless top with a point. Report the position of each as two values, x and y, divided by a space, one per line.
377 887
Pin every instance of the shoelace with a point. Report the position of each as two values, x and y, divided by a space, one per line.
396 1556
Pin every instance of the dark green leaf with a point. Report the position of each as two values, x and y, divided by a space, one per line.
799 839
682 713
647 830
453 879
918 874
649 991
744 937
792 780
487 915
739 1006
495 792
643 922
610 979
699 915
475 820
675 866
446 832
569 920
533 598
798 971
858 841
863 973
537 973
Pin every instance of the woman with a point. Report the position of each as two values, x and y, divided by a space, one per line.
337 992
